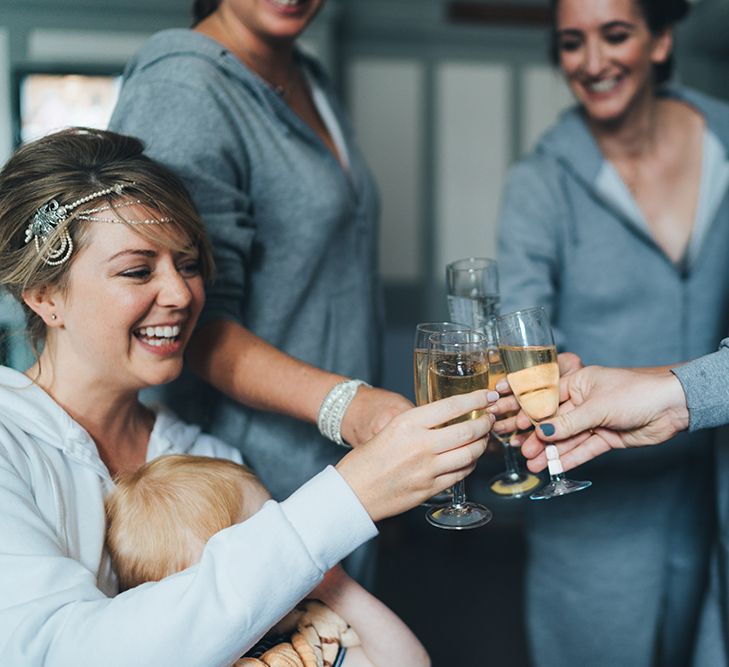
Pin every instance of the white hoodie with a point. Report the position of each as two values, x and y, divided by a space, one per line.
56 583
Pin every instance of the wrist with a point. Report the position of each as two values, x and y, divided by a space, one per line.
673 399
335 406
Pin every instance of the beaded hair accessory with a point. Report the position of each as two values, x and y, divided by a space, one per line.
51 215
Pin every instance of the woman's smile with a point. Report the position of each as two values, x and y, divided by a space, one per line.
160 339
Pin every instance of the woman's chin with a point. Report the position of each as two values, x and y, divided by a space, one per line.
153 375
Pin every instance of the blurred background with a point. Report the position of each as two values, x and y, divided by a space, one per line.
444 96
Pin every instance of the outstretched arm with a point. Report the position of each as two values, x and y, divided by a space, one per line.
253 372
608 408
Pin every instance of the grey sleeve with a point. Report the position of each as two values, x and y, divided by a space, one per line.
705 382
184 128
530 239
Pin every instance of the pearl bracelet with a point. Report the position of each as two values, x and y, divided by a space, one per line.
334 406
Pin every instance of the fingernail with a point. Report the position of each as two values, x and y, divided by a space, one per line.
502 385
492 397
547 429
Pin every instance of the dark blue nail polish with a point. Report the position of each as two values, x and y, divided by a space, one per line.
547 429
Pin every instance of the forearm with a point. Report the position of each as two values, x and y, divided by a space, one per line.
254 373
705 384
385 639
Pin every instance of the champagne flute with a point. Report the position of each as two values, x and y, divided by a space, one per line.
423 331
513 482
527 348
457 364
473 294
473 298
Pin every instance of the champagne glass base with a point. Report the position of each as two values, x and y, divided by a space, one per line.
442 498
559 487
514 484
459 517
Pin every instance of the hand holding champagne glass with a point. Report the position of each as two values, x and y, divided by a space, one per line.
529 354
457 364
423 332
473 298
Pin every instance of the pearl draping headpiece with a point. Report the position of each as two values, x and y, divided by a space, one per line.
49 216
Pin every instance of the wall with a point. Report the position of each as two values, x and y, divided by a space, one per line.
460 103
441 109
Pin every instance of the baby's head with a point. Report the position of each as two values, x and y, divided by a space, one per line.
160 517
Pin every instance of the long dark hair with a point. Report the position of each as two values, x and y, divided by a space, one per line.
659 15
201 9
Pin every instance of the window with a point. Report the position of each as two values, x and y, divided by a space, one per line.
47 100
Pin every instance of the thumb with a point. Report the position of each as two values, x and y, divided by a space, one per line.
568 424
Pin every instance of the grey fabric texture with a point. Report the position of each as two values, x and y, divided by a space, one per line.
615 573
294 234
705 382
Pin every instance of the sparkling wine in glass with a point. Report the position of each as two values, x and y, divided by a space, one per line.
514 482
423 332
457 364
473 298
529 355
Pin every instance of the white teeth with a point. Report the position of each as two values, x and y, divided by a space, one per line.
604 86
159 335
158 342
287 3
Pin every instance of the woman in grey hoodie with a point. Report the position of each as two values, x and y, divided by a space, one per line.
618 224
253 128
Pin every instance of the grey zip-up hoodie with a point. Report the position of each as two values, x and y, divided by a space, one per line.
573 240
567 243
293 233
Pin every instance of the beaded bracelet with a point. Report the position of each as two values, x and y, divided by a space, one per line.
334 406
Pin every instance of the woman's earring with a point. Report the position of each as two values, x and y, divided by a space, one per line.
54 317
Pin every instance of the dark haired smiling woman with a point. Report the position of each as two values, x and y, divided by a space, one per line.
618 224
105 252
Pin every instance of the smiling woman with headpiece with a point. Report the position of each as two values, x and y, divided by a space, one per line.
107 255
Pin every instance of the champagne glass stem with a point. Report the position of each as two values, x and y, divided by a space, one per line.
512 463
459 494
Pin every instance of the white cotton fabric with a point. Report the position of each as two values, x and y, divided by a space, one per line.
57 591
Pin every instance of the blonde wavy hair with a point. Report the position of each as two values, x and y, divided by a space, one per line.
160 517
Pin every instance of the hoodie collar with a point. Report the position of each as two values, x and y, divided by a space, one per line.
27 406
185 42
572 144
